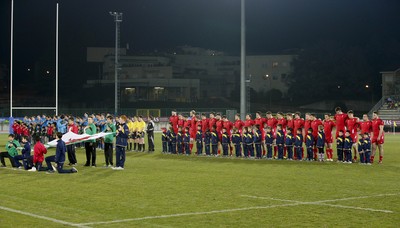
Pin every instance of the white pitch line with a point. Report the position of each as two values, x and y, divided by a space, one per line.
324 202
356 208
292 203
190 213
42 217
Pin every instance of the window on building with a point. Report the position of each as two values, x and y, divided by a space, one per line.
275 64
274 77
264 65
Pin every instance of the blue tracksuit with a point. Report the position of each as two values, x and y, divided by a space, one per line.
348 143
214 142
186 142
367 150
257 143
207 141
289 141
225 143
310 145
179 142
339 147
249 144
199 142
298 143
360 150
269 140
280 141
236 140
320 142
25 156
164 141
121 142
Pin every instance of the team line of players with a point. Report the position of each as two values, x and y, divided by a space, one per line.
283 135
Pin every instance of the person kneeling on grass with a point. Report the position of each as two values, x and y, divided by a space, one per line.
11 152
25 155
121 143
59 158
38 155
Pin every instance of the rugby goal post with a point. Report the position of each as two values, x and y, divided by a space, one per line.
11 68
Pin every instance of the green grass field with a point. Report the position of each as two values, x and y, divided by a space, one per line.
157 190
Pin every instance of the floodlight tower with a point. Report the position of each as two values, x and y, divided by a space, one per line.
243 62
117 19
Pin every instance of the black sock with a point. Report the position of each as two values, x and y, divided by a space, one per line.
130 146
139 147
144 147
134 146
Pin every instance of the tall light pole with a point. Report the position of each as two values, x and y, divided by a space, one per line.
243 63
11 58
57 60
118 19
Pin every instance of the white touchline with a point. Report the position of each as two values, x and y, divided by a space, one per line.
324 202
190 213
292 203
42 217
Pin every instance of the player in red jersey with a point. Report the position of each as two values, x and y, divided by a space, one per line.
272 122
204 123
238 123
193 128
282 121
259 120
219 125
352 125
377 136
298 123
290 120
248 122
211 121
227 124
365 125
181 121
328 127
315 122
173 119
340 119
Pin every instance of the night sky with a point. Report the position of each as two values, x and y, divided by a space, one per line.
150 25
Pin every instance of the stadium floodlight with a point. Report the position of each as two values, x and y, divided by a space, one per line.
243 63
118 19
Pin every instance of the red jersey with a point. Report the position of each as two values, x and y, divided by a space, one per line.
219 124
174 122
260 121
239 125
376 123
272 122
340 122
283 122
314 125
328 126
38 152
365 126
228 125
50 131
211 122
290 123
25 131
193 127
204 125
73 128
351 125
249 123
297 123
181 123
